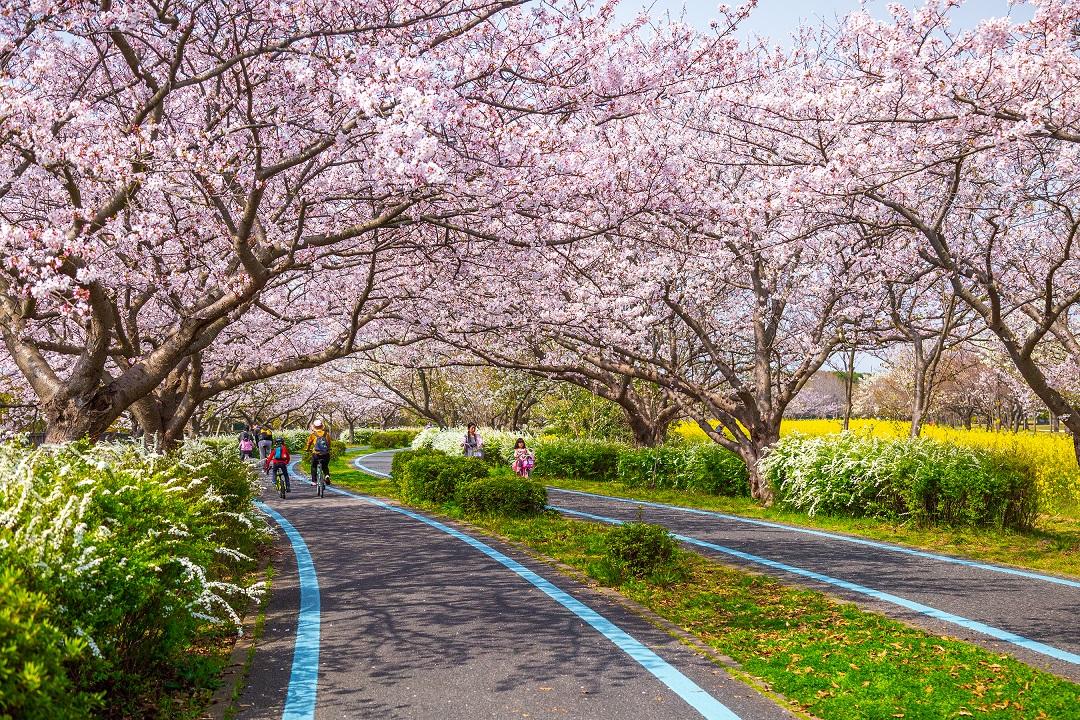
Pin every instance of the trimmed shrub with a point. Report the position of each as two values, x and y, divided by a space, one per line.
578 459
924 480
503 493
433 478
703 468
640 550
386 439
403 458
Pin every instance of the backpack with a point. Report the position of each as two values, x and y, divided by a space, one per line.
266 434
322 445
277 452
245 444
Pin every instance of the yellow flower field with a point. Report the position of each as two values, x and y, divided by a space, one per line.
1051 454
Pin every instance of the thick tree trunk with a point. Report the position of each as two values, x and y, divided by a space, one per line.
751 453
69 418
647 433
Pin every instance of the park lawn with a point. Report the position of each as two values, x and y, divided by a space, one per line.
1053 546
826 657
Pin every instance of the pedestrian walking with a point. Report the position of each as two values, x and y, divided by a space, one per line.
247 445
473 444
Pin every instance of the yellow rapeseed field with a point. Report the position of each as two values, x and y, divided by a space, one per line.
1051 454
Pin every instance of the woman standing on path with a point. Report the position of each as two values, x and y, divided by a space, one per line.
523 458
473 444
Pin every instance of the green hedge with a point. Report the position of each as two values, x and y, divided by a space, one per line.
119 560
386 439
702 468
578 459
920 479
501 492
434 477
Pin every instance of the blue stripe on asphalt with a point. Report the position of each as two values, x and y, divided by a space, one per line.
834 536
975 625
364 468
708 706
304 678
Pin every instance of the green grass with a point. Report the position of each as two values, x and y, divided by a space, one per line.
1053 546
828 658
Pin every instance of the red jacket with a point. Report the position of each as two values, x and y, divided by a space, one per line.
272 460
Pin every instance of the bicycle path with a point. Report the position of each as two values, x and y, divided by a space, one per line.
414 622
1033 617
1029 615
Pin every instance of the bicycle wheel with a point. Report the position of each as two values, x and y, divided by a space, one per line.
322 482
281 487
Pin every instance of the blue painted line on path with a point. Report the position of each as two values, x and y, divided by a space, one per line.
304 677
834 536
364 468
708 706
996 633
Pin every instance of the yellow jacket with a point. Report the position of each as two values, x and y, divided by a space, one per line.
315 434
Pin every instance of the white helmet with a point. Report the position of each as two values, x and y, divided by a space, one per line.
318 424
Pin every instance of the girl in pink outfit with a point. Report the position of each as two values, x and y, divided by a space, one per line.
523 458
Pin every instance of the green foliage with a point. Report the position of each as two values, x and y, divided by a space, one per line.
578 459
385 439
703 468
34 683
573 412
639 550
137 553
502 492
433 477
403 458
925 480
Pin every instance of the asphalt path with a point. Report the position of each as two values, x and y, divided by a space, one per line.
958 599
414 622
1031 616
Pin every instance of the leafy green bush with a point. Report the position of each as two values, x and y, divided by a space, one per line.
578 459
386 439
136 553
704 468
640 550
925 480
501 492
403 458
434 477
34 683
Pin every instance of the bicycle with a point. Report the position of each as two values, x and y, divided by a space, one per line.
279 481
320 480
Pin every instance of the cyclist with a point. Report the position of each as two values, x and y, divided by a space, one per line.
278 460
266 441
318 446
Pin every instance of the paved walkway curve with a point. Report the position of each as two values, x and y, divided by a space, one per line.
1029 616
417 623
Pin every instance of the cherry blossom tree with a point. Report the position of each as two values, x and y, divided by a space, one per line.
968 141
166 169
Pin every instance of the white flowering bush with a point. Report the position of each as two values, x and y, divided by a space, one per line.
498 444
127 558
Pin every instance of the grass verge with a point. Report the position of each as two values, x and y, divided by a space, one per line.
1053 546
828 658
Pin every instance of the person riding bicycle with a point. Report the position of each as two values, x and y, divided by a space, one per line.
318 447
266 441
278 460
